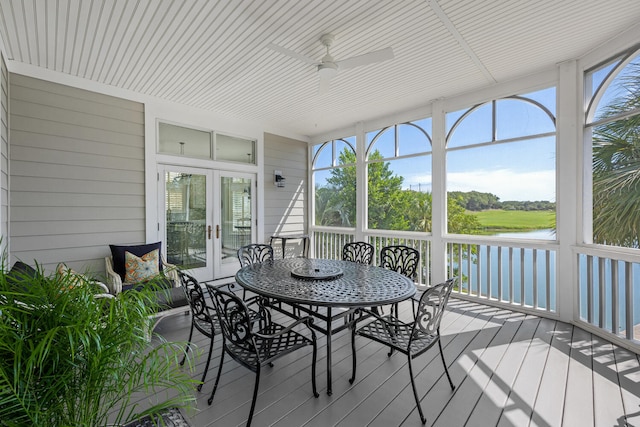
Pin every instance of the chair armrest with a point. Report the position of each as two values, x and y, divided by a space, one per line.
386 319
171 272
114 281
104 288
307 320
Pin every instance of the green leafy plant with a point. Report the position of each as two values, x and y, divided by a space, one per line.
71 358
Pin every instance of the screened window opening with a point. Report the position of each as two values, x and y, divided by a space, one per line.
334 177
501 167
399 177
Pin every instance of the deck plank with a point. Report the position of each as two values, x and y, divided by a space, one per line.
495 394
510 370
384 396
519 406
628 368
578 402
606 412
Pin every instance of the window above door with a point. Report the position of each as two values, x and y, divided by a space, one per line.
205 144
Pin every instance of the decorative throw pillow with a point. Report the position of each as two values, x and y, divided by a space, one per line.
117 254
139 269
74 278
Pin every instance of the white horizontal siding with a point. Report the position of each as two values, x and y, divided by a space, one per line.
285 208
77 174
4 153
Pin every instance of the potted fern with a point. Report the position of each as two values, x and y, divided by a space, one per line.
70 357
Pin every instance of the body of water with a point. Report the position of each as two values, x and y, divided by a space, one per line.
549 234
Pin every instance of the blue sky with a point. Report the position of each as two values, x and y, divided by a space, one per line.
518 170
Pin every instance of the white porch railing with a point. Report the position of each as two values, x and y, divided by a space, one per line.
517 274
607 284
520 275
328 244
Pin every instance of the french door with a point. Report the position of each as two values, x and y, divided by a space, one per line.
205 216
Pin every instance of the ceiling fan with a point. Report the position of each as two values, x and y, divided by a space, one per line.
328 67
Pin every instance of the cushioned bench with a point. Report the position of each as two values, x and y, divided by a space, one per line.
130 267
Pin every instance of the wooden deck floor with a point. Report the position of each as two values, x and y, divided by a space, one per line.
510 369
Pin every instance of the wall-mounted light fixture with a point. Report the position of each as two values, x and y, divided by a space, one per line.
278 179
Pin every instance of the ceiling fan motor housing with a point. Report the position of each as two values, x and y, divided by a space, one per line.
327 69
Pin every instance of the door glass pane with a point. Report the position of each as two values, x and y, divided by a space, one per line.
236 216
186 207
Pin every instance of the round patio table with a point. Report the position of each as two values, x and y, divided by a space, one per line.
302 282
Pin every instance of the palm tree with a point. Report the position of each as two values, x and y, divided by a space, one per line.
616 169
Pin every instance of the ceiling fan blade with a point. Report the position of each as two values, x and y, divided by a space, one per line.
292 54
367 58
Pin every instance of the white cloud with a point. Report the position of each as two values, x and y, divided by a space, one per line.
507 184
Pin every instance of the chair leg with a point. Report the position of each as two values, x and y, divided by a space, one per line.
215 386
188 346
313 370
206 367
255 396
353 354
446 370
415 392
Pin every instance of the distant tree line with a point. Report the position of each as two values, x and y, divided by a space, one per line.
476 201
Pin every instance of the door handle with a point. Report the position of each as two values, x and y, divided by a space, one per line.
209 232
217 231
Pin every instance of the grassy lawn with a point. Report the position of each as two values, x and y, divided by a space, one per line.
516 220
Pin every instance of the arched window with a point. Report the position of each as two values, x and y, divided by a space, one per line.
501 167
612 133
399 177
334 178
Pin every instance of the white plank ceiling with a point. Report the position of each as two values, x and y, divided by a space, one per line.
214 55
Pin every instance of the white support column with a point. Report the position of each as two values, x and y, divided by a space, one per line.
569 187
361 182
439 194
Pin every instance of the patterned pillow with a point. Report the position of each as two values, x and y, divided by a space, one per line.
139 269
73 278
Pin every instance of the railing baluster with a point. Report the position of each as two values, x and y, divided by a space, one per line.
511 276
590 289
548 280
500 273
629 300
602 304
615 308
534 266
522 288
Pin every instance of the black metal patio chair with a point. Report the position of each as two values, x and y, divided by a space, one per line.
253 253
361 252
256 345
401 259
203 315
410 338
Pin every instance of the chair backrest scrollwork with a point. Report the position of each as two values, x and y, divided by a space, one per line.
401 259
254 253
195 297
431 307
361 252
235 322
